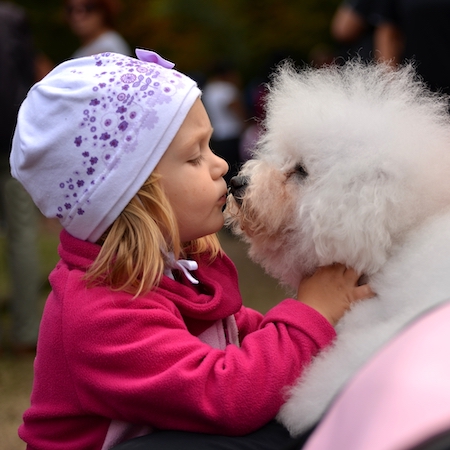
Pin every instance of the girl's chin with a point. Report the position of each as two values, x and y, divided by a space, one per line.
206 232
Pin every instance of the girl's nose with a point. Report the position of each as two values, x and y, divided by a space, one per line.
222 165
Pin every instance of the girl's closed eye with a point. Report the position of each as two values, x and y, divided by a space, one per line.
197 161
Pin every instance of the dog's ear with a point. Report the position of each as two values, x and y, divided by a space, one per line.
351 221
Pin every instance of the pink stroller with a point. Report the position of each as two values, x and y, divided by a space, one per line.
400 400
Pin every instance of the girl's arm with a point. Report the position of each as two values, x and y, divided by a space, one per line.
138 363
330 291
134 360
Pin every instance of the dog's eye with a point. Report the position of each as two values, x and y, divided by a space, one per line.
300 171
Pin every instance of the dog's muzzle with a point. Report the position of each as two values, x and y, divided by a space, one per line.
238 185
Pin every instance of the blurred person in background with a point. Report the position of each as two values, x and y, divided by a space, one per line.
353 26
93 22
224 104
17 211
417 30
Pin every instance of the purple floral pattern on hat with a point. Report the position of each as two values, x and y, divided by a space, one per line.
126 96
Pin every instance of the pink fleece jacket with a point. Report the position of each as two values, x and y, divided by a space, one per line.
105 360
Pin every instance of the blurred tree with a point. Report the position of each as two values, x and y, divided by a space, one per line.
193 33
51 34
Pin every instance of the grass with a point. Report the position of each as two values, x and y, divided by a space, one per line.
16 371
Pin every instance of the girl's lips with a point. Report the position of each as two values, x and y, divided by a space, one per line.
223 201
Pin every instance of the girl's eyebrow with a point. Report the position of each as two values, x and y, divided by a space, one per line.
202 134
209 132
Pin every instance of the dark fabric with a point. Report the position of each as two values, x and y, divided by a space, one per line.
298 442
426 28
369 11
273 436
228 149
16 68
439 442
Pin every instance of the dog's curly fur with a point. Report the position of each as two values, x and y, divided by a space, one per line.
353 166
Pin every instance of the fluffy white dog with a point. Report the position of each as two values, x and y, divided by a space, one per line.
353 167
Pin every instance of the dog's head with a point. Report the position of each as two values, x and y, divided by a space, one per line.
350 160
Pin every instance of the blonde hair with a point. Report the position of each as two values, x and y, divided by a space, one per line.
132 255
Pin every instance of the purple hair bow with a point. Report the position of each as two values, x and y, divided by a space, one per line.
153 57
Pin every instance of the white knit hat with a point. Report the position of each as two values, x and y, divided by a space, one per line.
92 131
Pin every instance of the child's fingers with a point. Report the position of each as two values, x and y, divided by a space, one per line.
362 292
335 269
351 274
352 277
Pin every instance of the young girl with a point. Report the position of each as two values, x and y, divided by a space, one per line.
144 329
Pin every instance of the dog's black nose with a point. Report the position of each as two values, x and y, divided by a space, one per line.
237 187
237 183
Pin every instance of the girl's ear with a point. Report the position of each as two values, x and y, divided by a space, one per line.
350 220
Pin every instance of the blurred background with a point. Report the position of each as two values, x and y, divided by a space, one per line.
230 47
233 41
193 33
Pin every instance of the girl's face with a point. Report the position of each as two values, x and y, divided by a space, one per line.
192 177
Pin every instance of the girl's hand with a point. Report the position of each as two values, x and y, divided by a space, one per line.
332 290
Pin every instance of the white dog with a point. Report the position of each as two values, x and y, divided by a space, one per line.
353 167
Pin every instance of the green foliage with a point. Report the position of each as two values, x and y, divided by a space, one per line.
194 33
51 33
